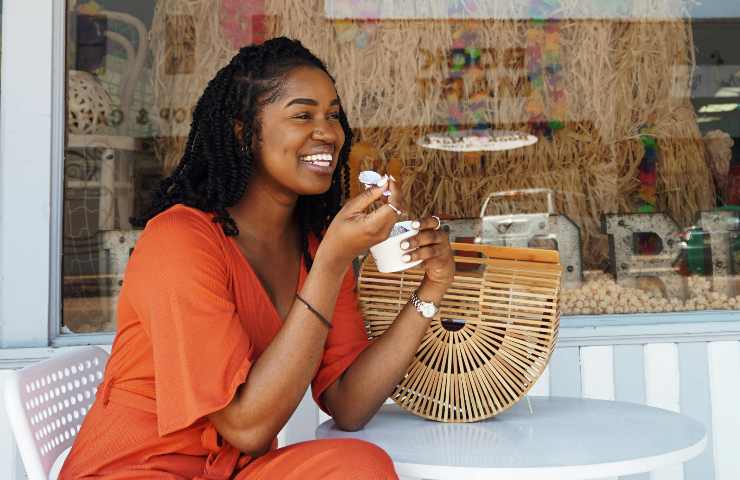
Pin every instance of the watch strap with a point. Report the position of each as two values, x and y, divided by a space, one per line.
423 307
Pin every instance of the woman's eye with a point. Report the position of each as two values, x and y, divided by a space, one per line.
308 116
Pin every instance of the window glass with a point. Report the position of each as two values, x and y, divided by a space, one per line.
607 132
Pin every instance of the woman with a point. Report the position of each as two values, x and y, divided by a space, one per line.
240 293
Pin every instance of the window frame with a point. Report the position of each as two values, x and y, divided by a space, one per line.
24 243
58 140
31 196
58 137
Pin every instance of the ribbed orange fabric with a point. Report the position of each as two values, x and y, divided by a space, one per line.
192 318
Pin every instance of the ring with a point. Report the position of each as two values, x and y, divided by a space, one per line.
439 222
395 209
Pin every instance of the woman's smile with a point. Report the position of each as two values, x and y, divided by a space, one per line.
321 162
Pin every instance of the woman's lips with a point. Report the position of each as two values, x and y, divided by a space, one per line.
319 163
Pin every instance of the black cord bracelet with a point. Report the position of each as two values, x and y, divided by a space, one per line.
314 311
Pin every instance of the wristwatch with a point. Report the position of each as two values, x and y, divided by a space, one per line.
427 309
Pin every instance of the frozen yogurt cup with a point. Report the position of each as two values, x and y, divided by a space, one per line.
388 253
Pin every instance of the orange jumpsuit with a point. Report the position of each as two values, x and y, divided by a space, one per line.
192 319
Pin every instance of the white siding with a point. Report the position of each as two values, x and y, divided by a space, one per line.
597 372
724 381
662 390
596 368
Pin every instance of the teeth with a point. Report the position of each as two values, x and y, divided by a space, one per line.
319 157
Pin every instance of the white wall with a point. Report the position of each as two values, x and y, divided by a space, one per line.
10 465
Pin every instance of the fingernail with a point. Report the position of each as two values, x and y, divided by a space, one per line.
405 245
406 258
387 193
415 224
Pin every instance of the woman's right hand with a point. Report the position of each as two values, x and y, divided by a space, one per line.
354 230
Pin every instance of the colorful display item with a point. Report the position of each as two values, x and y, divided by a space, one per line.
464 64
547 104
647 195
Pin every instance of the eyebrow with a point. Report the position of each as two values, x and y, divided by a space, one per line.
309 101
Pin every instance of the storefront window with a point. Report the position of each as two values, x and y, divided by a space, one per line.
630 116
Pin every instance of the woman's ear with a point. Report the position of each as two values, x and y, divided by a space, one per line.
239 130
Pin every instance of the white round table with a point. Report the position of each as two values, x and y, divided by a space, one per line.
563 438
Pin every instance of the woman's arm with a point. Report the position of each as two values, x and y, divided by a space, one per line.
363 388
278 379
359 393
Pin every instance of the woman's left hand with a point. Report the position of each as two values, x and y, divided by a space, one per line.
432 244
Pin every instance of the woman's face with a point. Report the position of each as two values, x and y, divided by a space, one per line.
301 135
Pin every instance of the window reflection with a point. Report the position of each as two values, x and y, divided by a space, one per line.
636 115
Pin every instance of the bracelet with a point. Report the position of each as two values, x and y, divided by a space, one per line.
314 311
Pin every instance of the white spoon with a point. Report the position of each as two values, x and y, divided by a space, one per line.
370 178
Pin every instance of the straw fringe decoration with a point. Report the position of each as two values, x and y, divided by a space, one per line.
395 81
465 372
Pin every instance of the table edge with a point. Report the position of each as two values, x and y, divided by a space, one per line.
571 472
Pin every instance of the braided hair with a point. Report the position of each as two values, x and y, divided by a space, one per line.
215 169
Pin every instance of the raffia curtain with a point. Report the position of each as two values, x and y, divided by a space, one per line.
394 79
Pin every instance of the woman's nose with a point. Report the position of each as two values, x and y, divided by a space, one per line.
324 132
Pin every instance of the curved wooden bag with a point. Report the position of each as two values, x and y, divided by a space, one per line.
491 340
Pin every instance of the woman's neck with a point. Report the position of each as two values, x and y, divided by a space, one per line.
265 216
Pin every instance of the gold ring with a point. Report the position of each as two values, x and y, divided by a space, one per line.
439 222
395 209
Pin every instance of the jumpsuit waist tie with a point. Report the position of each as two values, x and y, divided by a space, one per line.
223 459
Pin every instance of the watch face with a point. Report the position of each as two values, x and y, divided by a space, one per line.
428 310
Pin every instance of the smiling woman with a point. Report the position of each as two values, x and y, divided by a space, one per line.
239 294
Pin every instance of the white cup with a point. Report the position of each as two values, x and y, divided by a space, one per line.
388 253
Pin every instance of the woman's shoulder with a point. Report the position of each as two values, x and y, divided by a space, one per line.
182 217
182 224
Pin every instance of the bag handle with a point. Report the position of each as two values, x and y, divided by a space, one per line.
510 253
520 193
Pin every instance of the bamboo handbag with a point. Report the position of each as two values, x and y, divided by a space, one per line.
490 341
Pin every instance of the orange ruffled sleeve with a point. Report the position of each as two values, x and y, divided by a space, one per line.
180 279
346 340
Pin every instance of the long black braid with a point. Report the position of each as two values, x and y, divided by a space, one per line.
216 167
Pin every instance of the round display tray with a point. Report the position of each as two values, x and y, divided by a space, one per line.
491 340
482 140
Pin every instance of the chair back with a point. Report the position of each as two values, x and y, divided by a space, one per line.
47 402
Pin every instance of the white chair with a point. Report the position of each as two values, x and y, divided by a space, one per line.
46 404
